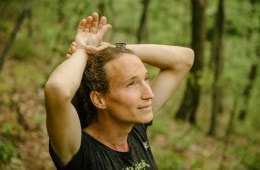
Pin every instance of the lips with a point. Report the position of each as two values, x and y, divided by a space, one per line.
145 107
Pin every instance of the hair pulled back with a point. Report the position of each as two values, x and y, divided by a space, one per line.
94 79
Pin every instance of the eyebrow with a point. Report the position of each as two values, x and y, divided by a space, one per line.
134 77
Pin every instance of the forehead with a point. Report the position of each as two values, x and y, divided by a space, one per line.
125 67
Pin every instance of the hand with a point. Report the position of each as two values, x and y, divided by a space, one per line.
91 32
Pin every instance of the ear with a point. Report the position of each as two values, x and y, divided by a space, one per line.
98 99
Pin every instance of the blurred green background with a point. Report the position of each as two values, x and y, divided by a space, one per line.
35 37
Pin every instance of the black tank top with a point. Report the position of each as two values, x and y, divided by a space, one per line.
94 155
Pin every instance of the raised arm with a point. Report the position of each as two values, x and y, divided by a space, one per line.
63 124
174 63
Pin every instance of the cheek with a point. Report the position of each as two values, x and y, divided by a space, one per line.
127 100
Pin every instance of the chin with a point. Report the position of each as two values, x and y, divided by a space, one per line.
147 119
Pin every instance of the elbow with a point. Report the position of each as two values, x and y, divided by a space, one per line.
189 59
55 88
185 61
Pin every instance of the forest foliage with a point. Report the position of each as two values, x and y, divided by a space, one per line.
49 28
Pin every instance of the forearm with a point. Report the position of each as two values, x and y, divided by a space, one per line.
164 57
66 78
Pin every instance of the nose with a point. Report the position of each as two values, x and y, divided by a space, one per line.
147 92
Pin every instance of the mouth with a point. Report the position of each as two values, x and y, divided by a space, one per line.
145 107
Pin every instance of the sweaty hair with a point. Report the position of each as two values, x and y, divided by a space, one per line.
94 79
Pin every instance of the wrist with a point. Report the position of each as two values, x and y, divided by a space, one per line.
80 51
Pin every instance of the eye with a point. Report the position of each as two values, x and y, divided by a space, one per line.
132 83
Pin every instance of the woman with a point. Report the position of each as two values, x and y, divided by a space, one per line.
99 102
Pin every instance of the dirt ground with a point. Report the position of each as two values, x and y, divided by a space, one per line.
22 119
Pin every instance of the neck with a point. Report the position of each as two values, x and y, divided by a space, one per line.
111 135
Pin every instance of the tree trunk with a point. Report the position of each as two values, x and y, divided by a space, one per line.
253 71
12 37
29 26
247 91
60 12
218 60
142 32
101 7
191 98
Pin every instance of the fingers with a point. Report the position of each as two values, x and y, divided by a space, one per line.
68 55
103 22
97 24
94 24
81 25
88 24
103 26
72 49
91 50
91 31
99 48
85 24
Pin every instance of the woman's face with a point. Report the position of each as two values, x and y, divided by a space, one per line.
129 99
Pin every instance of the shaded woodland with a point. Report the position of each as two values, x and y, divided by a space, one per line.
211 123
